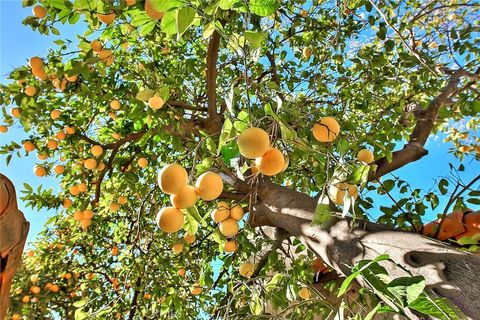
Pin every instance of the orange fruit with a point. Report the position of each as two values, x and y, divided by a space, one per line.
96 150
87 214
85 223
114 207
74 191
142 162
72 78
209 186
28 146
115 104
246 269
156 102
35 63
304 293
69 130
107 18
42 156
189 238
307 53
3 129
253 143
60 135
59 169
16 112
196 289
39 171
153 14
337 192
130 2
52 144
181 272
172 178
82 187
67 203
326 129
177 248
35 289
185 198
228 227
78 215
114 251
271 163
170 219
237 212
30 91
96 45
365 155
90 164
230 246
39 11
55 114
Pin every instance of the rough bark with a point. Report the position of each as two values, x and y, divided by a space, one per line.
13 234
448 272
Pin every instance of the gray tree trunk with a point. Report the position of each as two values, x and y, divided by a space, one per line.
450 273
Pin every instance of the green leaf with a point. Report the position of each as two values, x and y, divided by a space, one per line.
80 314
273 283
80 303
165 5
407 289
372 313
144 95
443 186
322 214
227 133
147 28
256 306
263 8
184 19
440 308
359 175
255 38
168 24
346 283
227 4
192 219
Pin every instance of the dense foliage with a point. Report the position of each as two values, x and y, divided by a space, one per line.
281 66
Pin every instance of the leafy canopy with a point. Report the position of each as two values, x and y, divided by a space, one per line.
369 60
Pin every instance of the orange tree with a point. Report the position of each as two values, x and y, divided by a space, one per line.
148 84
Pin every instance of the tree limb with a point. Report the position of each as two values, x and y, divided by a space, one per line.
414 149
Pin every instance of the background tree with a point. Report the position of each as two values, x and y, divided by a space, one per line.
147 84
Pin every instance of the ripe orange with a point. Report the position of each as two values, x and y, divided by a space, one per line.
39 11
365 155
54 288
101 166
271 163
177 247
304 13
230 246
170 219
253 143
337 192
209 186
189 238
105 54
114 251
88 214
114 207
228 227
74 191
30 91
304 293
130 2
115 104
122 200
85 223
107 18
78 215
35 63
156 102
35 289
237 212
246 269
26 299
82 187
52 144
96 150
153 14
16 112
60 135
196 289
72 78
55 114
326 129
59 169
67 203
96 45
3 129
181 272
172 178
70 130
28 146
185 198
39 171
40 74
90 164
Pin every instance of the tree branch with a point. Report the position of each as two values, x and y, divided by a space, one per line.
212 56
414 149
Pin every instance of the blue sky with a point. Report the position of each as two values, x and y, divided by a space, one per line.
19 43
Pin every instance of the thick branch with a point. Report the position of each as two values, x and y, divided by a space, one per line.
212 56
414 150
